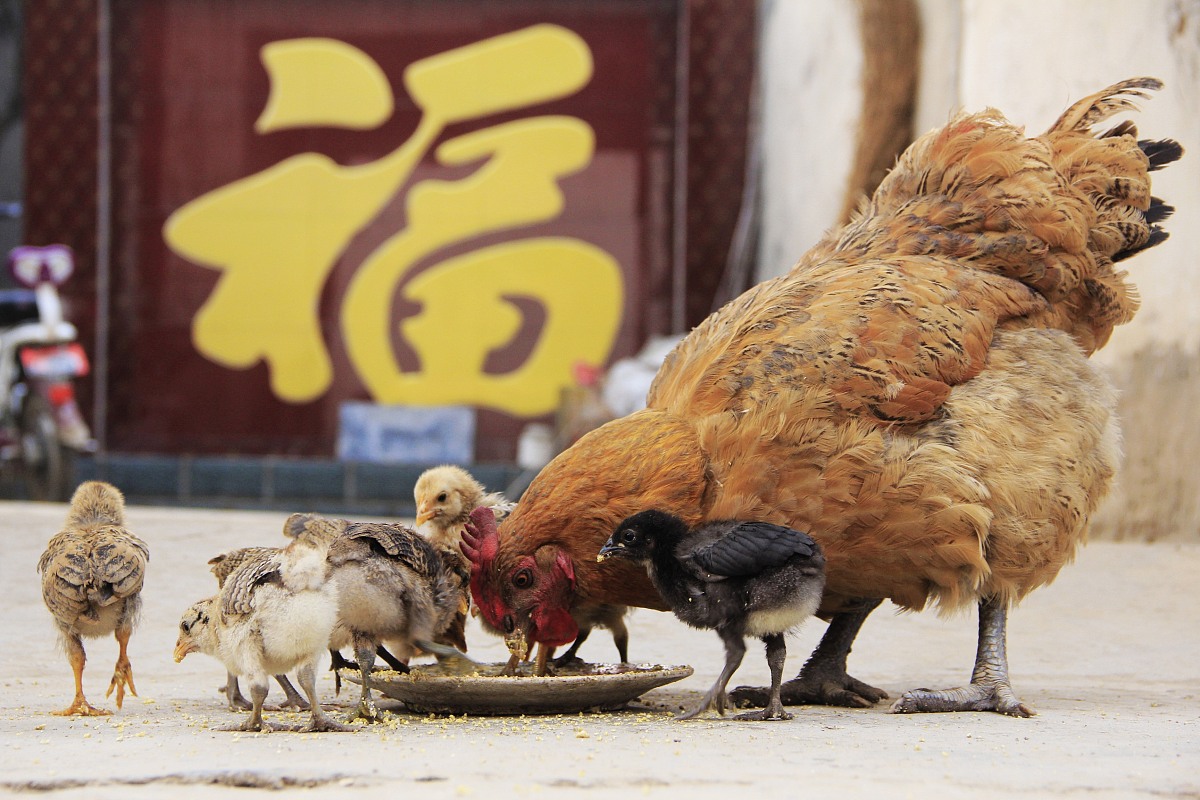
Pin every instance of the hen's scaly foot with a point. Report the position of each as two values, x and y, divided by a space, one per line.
812 689
996 696
989 689
82 708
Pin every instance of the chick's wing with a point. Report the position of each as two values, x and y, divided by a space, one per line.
751 547
237 595
396 542
118 560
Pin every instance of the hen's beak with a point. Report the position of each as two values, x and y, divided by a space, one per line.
608 551
183 647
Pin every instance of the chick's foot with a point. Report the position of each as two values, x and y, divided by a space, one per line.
122 678
823 680
766 714
366 711
82 708
323 723
292 698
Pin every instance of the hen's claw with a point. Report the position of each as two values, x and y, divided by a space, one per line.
812 690
990 689
996 696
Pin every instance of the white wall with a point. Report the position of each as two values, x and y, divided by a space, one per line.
812 62
1030 59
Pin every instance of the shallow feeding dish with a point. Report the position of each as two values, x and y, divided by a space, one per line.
433 689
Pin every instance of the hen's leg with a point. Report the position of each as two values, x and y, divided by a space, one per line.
735 650
293 698
123 671
823 679
337 662
390 659
319 722
776 655
76 657
989 689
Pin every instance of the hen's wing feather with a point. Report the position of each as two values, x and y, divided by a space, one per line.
975 227
752 547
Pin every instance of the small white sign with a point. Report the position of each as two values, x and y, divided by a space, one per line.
405 434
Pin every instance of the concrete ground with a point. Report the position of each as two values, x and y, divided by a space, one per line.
1109 656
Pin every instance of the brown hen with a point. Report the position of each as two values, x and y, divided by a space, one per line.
915 394
92 574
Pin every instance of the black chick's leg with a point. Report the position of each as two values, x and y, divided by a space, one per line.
292 698
390 659
337 663
776 656
989 689
569 656
823 679
735 650
621 640
364 651
319 721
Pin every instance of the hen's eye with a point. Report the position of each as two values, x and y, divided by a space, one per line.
628 536
522 579
442 497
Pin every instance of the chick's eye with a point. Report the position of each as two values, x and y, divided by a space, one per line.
522 579
442 497
628 536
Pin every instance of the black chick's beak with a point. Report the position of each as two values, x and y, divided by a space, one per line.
609 550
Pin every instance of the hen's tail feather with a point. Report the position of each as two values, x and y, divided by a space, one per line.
1157 236
1161 152
1103 104
1054 212
1158 210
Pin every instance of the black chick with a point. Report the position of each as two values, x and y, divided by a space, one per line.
737 578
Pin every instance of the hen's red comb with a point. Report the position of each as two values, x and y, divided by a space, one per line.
481 539
481 544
